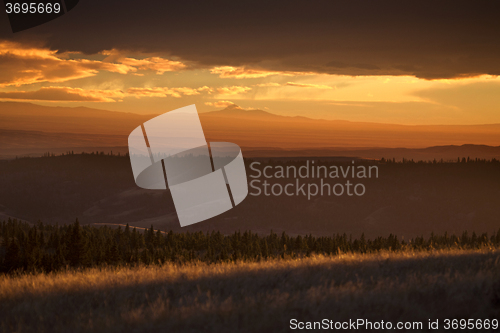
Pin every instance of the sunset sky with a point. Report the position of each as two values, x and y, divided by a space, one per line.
392 67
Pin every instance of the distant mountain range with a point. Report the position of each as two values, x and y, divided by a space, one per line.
30 129
32 117
257 128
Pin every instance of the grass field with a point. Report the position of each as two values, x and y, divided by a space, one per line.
256 297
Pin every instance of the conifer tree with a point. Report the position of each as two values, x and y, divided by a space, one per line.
146 257
12 257
78 250
265 250
114 256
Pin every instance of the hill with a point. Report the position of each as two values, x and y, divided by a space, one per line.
29 129
408 199
257 128
33 117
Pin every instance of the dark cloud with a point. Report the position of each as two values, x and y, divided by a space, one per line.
429 39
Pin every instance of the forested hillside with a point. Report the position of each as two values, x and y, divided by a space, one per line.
407 199
46 248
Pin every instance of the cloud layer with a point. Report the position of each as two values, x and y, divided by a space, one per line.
64 94
429 39
20 65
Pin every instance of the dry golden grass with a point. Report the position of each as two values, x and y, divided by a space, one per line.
260 296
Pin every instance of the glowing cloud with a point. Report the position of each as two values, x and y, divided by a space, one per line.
270 84
308 85
220 104
157 64
21 64
164 91
234 90
247 73
64 94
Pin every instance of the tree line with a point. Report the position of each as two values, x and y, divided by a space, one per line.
47 248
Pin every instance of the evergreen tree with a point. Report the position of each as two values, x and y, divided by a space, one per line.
78 254
265 251
114 256
12 257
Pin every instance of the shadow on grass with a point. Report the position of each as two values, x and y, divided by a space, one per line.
264 296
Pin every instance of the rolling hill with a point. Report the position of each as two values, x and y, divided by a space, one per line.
31 130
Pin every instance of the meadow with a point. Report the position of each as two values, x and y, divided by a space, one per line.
249 296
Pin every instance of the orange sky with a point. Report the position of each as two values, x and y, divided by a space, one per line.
149 83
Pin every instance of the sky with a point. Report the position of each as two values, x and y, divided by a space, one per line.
405 62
